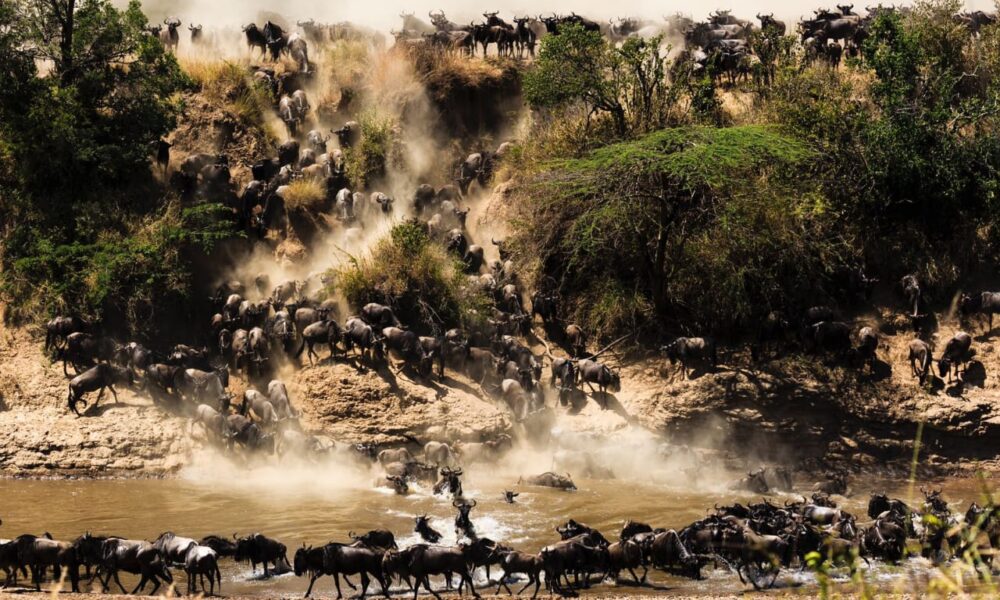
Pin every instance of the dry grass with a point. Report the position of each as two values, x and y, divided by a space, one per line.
230 84
443 72
304 194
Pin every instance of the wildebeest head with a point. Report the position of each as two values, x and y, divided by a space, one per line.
300 563
878 504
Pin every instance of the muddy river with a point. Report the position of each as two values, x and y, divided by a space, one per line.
315 504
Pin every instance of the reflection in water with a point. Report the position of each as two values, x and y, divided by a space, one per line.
318 504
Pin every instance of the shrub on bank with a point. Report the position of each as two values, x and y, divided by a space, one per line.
408 271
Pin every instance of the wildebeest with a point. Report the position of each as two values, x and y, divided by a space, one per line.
920 358
258 549
549 479
987 303
423 527
463 524
754 482
439 453
97 378
202 561
593 372
867 347
687 350
58 329
513 562
138 557
957 352
450 481
321 332
830 336
83 350
427 560
912 292
41 553
199 386
255 38
169 36
406 345
221 545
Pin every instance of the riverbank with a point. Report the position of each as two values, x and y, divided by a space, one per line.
798 410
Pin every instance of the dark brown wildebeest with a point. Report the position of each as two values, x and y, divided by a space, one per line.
920 359
138 557
97 378
687 350
593 372
258 549
957 352
521 562
59 328
986 303
42 553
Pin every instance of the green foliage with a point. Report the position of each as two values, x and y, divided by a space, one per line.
634 229
112 91
123 277
628 83
425 286
367 161
84 228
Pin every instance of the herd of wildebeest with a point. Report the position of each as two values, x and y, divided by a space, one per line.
755 541
257 326
723 45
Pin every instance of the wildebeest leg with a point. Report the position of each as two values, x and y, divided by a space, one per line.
538 583
113 392
349 584
156 584
364 584
634 576
312 580
467 576
645 573
142 584
336 582
503 583
427 584
531 579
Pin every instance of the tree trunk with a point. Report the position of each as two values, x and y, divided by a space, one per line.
658 276
64 10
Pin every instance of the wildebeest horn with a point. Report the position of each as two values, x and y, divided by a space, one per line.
235 537
455 503
457 472
350 534
474 503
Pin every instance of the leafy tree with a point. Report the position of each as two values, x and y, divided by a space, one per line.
87 124
628 83
621 220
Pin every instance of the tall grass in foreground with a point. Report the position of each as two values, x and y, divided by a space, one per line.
969 575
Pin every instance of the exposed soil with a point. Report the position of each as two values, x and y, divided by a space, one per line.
797 410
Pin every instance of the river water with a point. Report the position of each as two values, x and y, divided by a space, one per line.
315 504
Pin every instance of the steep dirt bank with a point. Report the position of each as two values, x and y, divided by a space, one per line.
796 410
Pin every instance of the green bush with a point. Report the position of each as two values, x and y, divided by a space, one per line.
119 277
698 225
367 161
406 270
